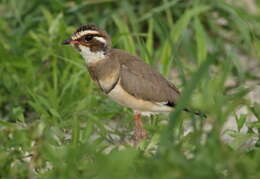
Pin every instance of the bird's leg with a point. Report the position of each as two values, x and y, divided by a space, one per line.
139 131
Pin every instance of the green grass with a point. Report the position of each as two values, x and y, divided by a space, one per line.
55 123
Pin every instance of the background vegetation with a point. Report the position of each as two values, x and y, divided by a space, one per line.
54 123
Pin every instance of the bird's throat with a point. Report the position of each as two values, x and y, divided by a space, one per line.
91 57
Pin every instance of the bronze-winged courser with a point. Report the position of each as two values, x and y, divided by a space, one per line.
123 77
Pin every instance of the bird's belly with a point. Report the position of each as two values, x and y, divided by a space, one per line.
119 95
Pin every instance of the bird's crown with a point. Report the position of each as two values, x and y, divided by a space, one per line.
86 30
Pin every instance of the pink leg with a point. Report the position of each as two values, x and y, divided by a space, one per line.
139 131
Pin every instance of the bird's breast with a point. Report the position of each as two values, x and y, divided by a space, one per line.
107 83
106 74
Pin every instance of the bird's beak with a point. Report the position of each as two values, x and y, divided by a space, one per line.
70 42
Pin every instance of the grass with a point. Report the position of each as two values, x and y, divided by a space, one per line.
55 123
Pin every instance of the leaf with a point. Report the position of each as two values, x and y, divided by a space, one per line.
125 35
158 9
201 41
183 22
254 124
257 47
256 110
241 24
47 15
150 39
54 26
240 141
241 121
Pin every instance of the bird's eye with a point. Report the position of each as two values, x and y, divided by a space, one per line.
88 37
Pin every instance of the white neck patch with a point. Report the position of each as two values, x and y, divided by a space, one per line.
101 39
91 57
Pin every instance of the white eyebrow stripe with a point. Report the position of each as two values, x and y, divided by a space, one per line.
101 39
80 34
89 32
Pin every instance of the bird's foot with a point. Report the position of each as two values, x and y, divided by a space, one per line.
139 132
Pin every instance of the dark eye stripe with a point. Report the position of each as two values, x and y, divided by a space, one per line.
89 34
88 37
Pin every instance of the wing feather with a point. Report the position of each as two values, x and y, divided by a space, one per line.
142 81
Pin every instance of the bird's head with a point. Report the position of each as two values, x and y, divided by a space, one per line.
90 41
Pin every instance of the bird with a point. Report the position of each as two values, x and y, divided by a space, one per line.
123 77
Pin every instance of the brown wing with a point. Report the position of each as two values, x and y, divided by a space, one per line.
141 80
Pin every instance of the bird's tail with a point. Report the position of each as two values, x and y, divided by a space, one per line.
198 113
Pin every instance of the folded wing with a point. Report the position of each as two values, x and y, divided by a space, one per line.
142 81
